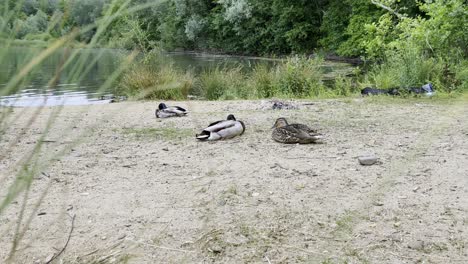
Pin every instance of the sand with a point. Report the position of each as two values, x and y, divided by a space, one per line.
143 190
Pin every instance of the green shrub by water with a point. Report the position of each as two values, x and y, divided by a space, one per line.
410 67
298 77
144 81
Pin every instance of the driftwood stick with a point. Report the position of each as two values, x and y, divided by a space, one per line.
68 240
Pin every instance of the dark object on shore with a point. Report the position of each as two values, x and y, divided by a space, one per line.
375 91
427 89
279 105
165 111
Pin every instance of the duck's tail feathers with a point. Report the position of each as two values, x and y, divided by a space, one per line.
318 137
204 135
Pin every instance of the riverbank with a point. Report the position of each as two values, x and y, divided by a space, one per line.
145 190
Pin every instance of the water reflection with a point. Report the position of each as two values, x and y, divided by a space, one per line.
53 82
36 98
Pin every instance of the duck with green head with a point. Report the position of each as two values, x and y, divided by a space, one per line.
294 133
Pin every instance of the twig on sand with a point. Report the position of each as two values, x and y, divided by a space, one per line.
68 240
429 256
267 259
309 251
161 247
48 141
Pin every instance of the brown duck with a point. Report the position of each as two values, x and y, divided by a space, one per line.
293 133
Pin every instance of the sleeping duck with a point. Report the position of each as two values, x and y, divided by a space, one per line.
164 111
293 133
222 129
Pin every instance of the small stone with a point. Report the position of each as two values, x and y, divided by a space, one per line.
216 249
165 149
255 194
415 189
128 225
397 224
416 245
222 202
103 237
378 203
367 160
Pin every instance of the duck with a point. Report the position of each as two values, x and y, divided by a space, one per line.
223 129
294 133
165 111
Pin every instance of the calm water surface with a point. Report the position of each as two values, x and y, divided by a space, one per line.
82 81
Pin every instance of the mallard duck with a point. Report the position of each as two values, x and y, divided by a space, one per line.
293 133
164 111
222 129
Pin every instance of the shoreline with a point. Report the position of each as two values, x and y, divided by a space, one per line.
145 189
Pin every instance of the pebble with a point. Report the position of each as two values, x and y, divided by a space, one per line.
416 245
378 203
367 160
216 249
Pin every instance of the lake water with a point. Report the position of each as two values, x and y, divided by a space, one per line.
83 80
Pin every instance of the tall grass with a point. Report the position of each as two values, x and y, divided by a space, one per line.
298 77
142 81
410 67
17 182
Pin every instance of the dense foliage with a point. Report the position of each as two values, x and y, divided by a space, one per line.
264 27
429 35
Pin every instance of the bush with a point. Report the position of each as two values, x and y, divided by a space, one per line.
300 77
263 81
151 81
343 86
223 83
411 67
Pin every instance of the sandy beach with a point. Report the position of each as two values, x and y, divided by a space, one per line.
143 190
